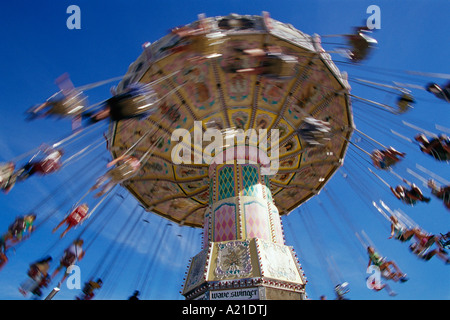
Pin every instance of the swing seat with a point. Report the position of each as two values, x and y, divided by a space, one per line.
386 274
404 103
6 171
77 215
7 176
71 106
60 106
361 45
342 289
445 243
439 153
129 105
428 242
47 166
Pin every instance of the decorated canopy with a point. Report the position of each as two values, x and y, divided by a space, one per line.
202 93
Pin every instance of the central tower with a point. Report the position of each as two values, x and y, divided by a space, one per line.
244 255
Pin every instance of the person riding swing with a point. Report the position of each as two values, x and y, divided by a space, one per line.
75 217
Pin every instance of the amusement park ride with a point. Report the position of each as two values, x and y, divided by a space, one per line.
251 79
236 204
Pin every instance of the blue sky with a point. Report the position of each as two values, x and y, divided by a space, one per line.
38 47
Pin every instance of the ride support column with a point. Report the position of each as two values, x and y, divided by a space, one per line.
244 255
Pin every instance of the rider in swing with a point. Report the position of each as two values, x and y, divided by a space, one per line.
69 102
77 216
49 164
38 277
137 100
409 196
400 232
89 288
442 93
361 44
384 159
128 168
438 147
393 273
18 231
422 247
71 255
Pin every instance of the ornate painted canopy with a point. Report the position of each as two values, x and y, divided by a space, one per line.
202 90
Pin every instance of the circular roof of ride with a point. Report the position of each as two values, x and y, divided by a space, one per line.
200 92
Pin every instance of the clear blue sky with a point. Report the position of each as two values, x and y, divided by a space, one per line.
38 47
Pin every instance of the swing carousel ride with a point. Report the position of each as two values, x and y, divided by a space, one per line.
237 205
232 123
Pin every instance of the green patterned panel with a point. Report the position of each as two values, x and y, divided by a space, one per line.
226 183
211 191
250 181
